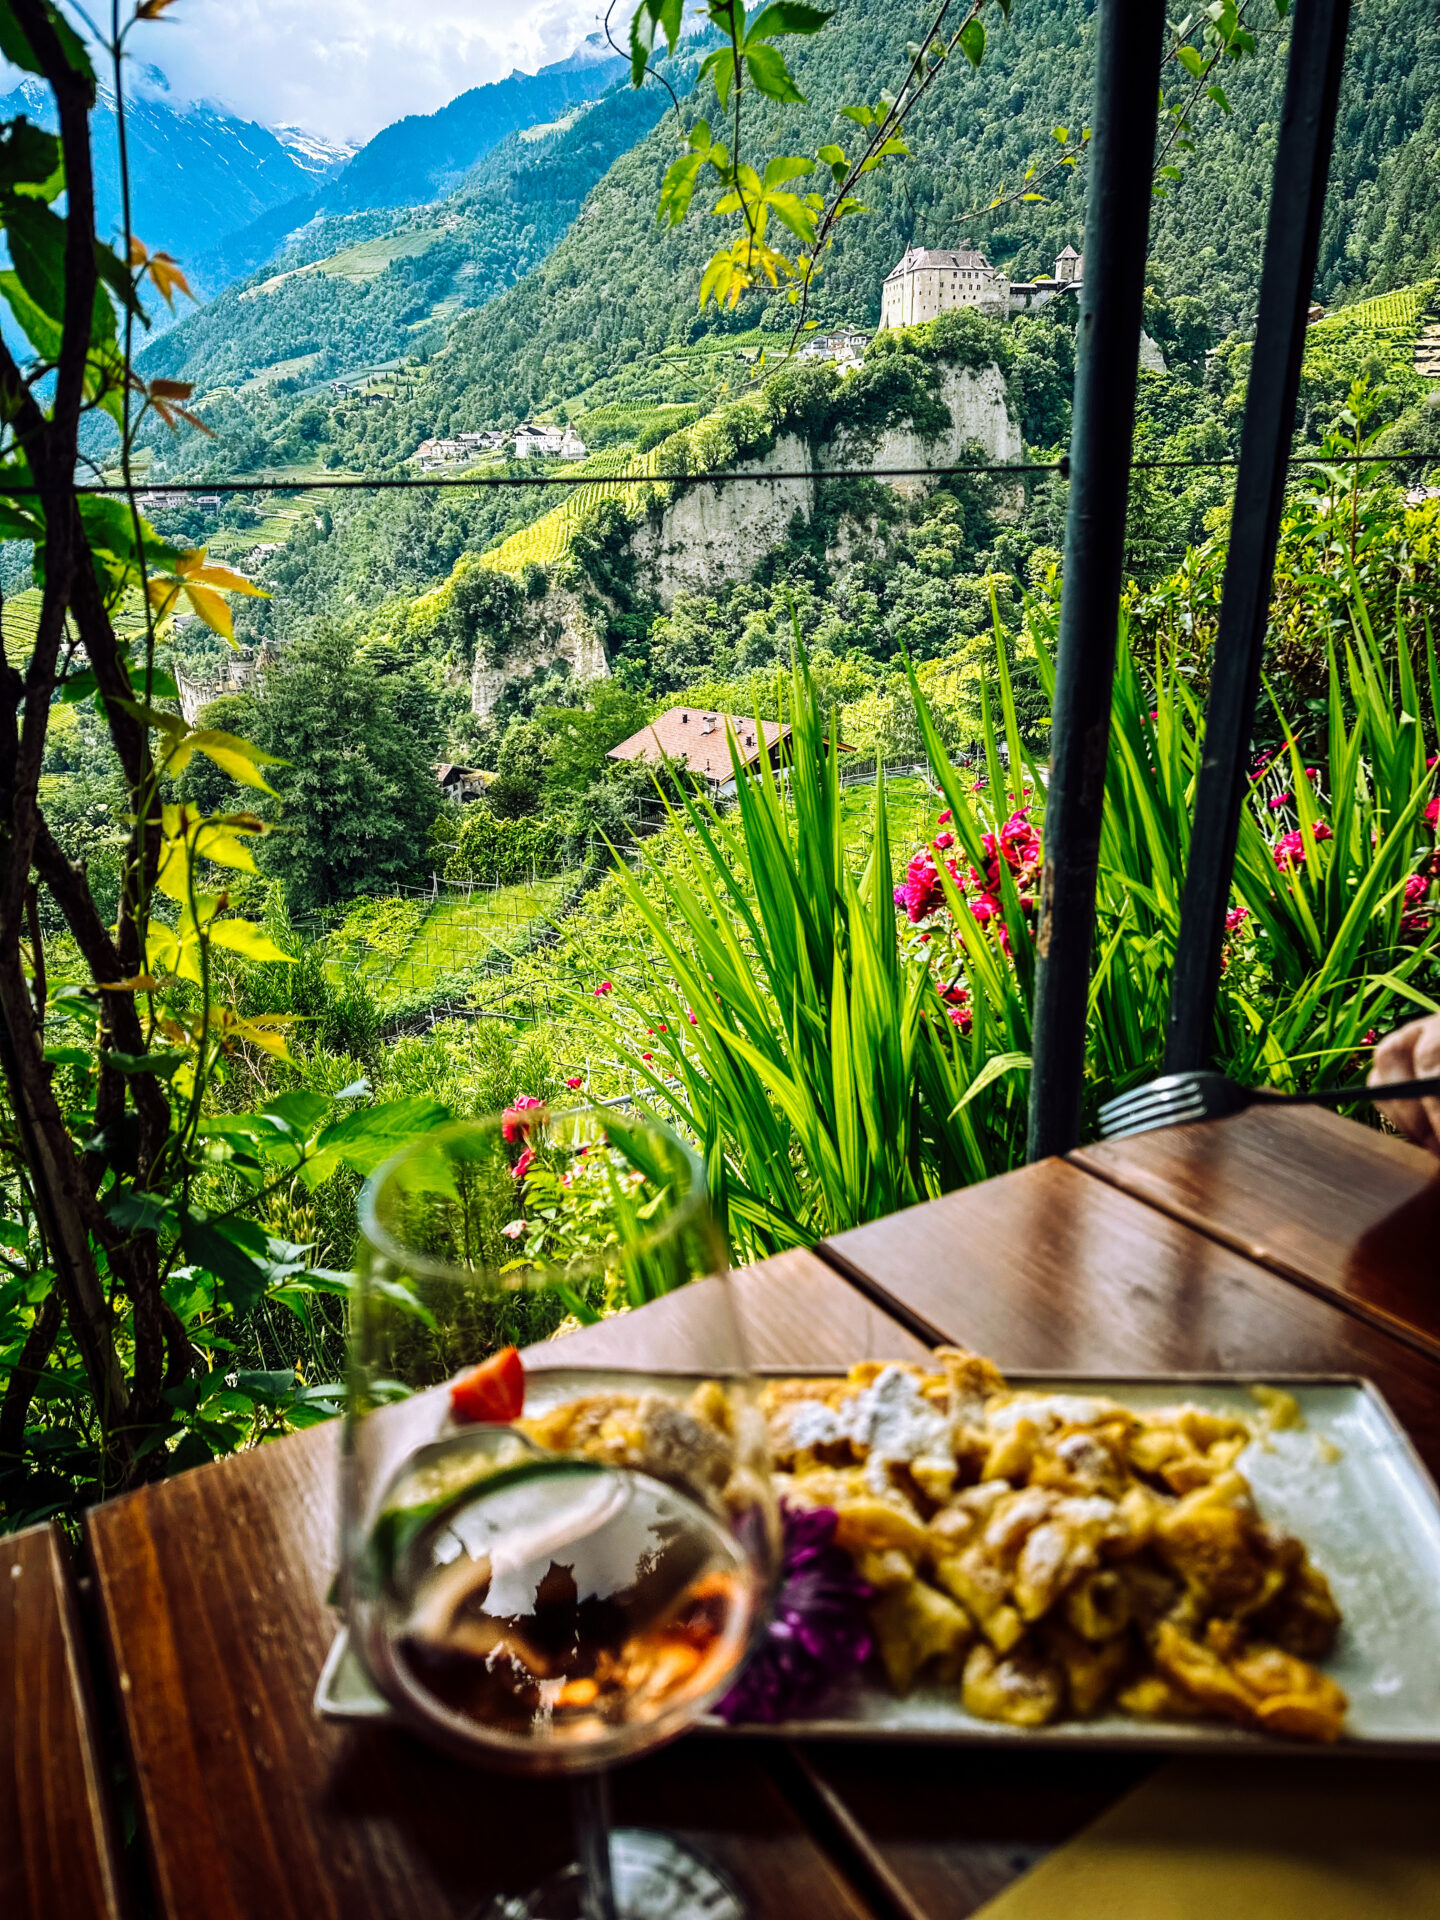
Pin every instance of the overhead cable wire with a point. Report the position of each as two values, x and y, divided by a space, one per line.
420 483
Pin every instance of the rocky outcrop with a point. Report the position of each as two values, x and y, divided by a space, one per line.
556 628
710 531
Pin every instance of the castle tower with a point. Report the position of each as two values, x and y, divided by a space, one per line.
1069 266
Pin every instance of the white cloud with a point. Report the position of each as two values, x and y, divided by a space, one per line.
346 68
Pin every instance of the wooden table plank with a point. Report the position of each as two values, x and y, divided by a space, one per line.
1050 1268
1349 1213
212 1589
57 1844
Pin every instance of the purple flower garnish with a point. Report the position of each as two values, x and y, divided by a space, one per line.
818 1631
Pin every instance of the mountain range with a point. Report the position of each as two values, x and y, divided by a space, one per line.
221 193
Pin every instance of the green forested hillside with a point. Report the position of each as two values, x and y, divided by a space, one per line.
617 286
502 220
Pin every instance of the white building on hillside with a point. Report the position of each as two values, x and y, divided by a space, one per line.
930 281
846 345
531 441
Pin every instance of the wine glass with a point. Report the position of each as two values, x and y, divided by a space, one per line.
552 1564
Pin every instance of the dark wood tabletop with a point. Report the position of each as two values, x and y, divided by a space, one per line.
57 1842
1348 1212
209 1589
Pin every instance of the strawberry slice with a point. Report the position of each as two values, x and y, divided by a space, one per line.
493 1392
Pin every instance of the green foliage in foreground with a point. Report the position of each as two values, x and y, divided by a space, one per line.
836 1071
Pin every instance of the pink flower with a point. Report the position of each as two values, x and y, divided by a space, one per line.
1415 888
943 841
576 1082
985 908
691 1018
604 987
1431 815
517 1120
1369 1039
945 818
921 892
1236 917
1432 762
523 1164
1154 713
513 1229
1312 773
1281 800
1289 849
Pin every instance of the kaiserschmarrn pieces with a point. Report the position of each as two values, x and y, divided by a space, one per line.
1047 1554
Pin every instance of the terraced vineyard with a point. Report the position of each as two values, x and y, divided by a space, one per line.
406 945
544 541
1396 313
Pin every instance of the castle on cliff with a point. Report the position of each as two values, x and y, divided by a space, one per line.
930 281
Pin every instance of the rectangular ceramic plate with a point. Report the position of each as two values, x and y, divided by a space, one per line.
1347 1482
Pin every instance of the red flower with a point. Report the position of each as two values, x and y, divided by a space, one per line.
1289 849
523 1164
647 1056
945 817
1236 917
1369 1039
517 1120
604 987
942 841
576 1082
1312 773
1431 815
1281 800
1415 888
921 891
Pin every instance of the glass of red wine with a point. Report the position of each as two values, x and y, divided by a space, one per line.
555 1562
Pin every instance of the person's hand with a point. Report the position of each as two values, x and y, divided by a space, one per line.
1411 1053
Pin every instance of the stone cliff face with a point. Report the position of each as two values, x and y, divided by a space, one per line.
557 628
709 532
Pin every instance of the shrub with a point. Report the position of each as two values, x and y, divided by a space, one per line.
490 852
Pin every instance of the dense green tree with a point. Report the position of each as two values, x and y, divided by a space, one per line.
578 738
519 772
358 791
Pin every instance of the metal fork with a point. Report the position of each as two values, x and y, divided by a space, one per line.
1178 1098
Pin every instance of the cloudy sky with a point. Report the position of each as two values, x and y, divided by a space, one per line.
346 68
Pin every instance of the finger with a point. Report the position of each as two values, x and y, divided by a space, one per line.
1395 1059
1394 1056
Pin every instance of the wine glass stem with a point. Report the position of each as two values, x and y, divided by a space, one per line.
590 1809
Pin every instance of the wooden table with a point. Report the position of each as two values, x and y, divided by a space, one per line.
1347 1212
209 1590
57 1843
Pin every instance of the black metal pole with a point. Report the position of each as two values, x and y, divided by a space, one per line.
1292 242
1117 224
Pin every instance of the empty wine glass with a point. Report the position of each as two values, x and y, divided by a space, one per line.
552 1564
